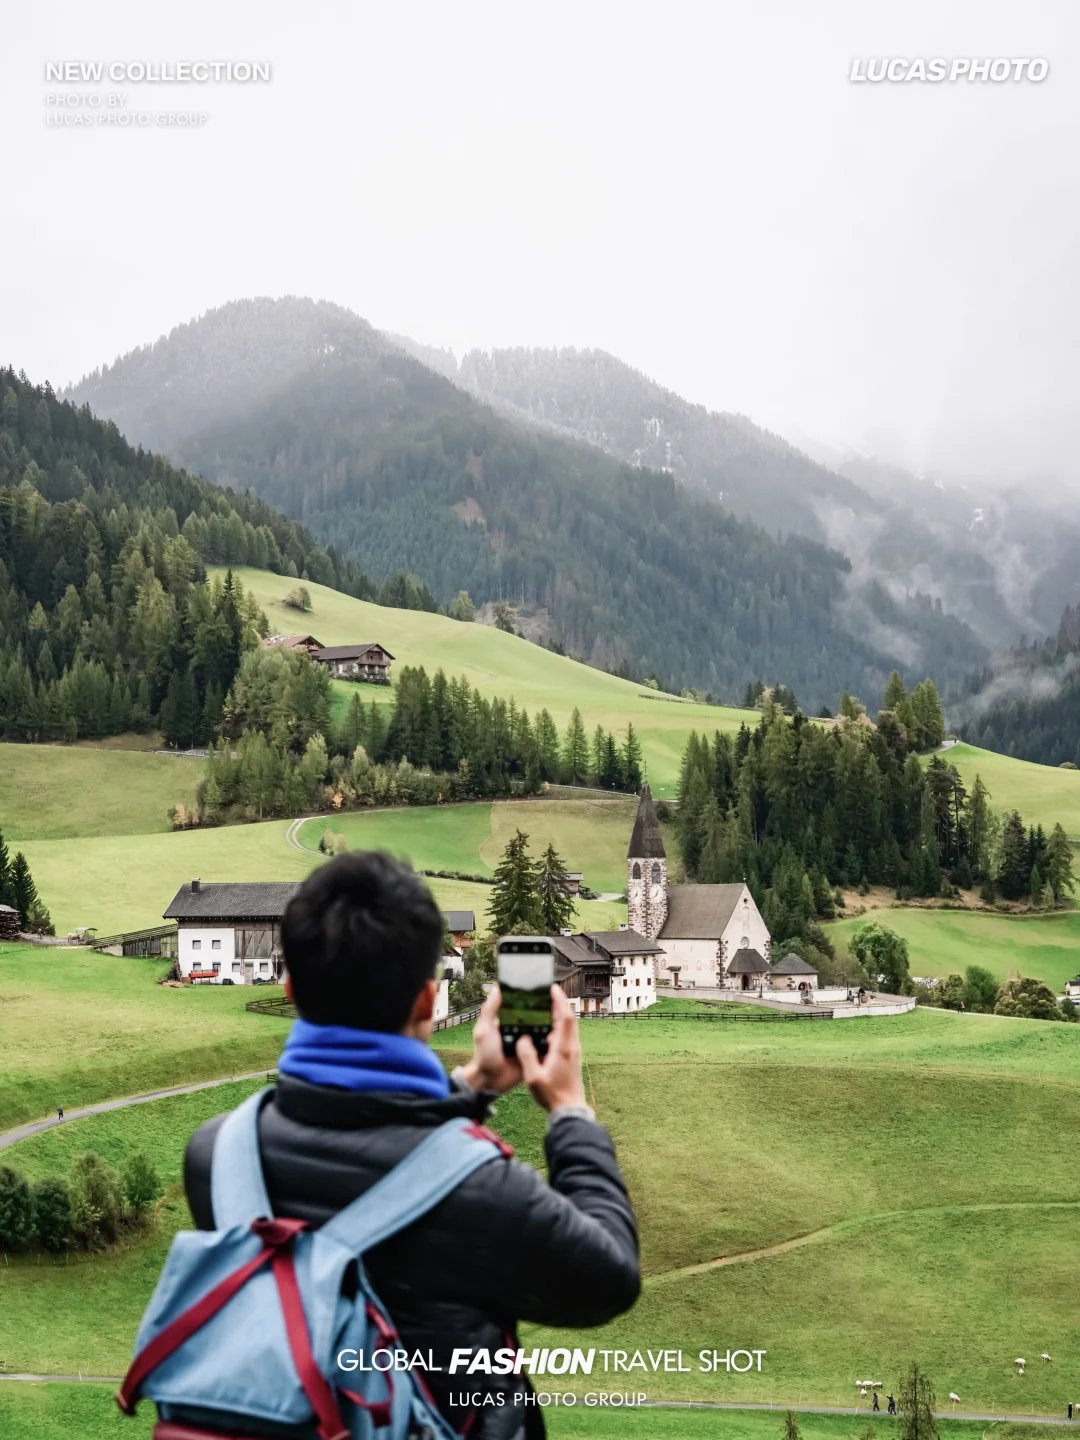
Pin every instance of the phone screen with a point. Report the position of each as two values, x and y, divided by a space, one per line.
526 973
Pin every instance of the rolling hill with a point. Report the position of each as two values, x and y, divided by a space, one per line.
400 469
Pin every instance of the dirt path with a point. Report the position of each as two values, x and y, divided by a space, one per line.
35 1127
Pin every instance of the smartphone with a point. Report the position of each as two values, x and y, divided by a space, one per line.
526 973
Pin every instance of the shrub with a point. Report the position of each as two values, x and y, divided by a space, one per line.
54 1216
883 955
298 598
141 1184
980 989
1027 999
16 1210
96 1201
1069 1010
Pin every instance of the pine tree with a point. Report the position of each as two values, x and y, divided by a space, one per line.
515 898
7 894
1059 874
895 692
631 760
1014 876
576 750
975 825
916 1402
599 755
556 902
24 894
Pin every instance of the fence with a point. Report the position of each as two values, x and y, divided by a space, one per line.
283 1006
651 1014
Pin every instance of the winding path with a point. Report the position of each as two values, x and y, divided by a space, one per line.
35 1127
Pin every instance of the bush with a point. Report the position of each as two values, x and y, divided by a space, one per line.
54 1216
1027 999
1069 1010
16 1210
298 598
883 955
141 1184
980 989
96 1201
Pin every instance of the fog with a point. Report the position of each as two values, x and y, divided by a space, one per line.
698 189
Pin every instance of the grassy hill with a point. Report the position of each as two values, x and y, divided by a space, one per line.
1043 794
500 664
946 942
51 792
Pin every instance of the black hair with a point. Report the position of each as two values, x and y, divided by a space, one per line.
361 938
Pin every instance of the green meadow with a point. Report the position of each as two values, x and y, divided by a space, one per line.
1043 794
51 792
500 664
872 1189
946 942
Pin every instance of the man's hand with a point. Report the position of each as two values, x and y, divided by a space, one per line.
489 1068
556 1080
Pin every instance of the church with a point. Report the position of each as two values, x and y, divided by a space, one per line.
708 935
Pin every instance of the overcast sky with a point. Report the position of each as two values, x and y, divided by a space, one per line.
697 188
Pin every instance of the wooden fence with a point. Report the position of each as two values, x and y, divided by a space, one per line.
283 1006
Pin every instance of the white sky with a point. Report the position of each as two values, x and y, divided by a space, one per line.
696 188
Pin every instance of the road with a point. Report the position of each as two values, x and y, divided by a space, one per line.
22 1132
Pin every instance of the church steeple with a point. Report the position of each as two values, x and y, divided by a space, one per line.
646 871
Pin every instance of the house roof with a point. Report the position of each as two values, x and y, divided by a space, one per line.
793 965
621 942
748 962
8 910
646 842
242 900
699 912
458 921
350 652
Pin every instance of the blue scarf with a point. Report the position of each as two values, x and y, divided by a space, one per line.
352 1059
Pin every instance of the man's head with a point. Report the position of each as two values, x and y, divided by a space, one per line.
361 938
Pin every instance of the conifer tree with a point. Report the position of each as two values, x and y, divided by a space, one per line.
916 1402
515 899
631 760
7 894
553 885
1059 873
24 894
576 750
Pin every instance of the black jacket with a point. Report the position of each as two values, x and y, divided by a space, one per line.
504 1246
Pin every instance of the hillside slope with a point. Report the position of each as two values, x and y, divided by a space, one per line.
399 469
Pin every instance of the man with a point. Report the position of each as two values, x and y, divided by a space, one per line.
358 1088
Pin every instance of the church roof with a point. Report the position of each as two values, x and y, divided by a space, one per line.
646 843
748 962
793 965
699 912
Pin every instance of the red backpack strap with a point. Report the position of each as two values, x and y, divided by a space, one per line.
331 1426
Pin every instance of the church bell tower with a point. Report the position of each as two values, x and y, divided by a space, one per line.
646 871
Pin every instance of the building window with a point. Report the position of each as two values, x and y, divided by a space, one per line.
236 967
635 874
217 967
196 944
744 943
264 965
215 944
656 872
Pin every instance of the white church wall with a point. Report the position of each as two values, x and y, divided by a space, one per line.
697 959
746 930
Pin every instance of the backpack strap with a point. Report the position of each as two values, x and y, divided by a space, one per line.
237 1188
415 1185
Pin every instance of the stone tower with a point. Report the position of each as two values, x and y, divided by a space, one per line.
646 871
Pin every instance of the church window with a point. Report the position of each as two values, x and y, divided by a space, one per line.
636 872
656 872
744 943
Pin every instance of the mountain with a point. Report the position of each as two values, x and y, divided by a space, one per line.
1026 703
103 593
398 466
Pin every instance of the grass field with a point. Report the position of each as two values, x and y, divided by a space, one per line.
902 1186
59 1412
946 942
590 832
1043 794
48 792
500 664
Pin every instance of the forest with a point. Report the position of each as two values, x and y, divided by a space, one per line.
797 809
1037 716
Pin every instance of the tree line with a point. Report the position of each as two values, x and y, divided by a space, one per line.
90 1209
796 809
440 741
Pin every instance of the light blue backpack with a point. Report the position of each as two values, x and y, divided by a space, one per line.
246 1329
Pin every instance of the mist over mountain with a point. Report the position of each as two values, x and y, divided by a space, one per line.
633 561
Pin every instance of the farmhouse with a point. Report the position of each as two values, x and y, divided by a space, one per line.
462 927
708 934
230 931
606 971
293 642
370 662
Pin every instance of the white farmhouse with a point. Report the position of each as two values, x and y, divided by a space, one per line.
231 931
709 935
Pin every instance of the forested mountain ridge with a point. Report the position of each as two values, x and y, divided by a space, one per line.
401 469
1026 703
103 593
